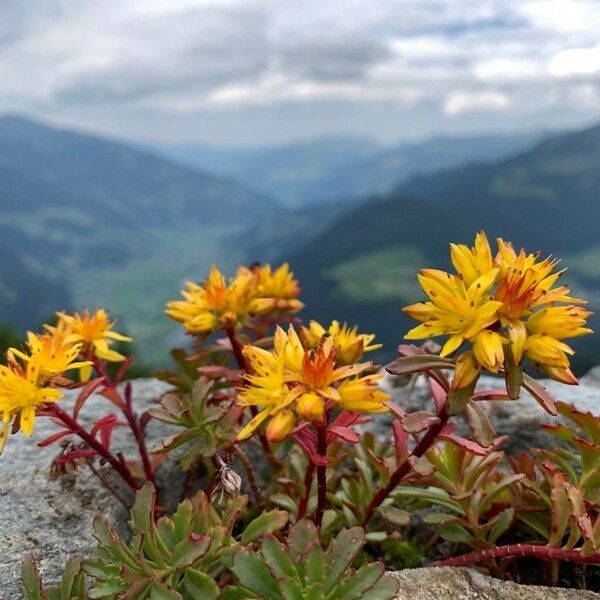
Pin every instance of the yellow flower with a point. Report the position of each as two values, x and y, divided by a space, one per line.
216 304
454 309
349 344
302 380
472 263
93 331
276 291
21 394
52 352
510 300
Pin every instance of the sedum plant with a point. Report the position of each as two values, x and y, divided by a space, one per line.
175 557
302 569
205 427
256 382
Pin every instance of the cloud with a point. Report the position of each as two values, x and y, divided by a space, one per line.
128 65
575 61
463 102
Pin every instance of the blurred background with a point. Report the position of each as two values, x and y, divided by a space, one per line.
142 140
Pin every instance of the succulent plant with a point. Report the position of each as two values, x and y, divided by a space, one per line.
176 557
71 586
475 495
205 426
302 569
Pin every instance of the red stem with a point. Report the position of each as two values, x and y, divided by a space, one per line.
308 479
244 366
126 406
93 443
516 551
134 424
321 474
398 475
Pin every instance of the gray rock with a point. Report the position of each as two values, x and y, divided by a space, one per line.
521 420
53 519
449 583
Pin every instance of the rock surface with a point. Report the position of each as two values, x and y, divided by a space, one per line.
520 419
467 584
53 519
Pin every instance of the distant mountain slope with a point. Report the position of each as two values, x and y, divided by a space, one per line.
290 172
89 221
326 170
362 266
122 184
380 173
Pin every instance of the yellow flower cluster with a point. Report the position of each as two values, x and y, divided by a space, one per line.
218 304
503 304
28 380
295 380
349 344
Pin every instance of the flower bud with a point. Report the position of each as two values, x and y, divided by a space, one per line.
488 350
310 407
280 426
465 372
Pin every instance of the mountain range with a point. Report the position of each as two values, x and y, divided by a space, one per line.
362 266
88 221
342 169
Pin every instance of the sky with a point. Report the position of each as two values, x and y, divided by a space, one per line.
254 72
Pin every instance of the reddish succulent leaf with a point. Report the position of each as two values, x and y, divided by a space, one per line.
418 421
491 395
85 393
587 421
212 372
345 419
344 433
560 513
439 394
581 516
396 411
85 453
123 368
540 394
417 363
480 425
111 393
400 441
469 445
54 438
105 427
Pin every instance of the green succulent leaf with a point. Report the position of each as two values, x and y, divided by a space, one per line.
32 582
268 522
341 553
254 574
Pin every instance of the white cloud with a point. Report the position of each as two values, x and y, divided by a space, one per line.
507 69
131 64
564 16
458 103
575 61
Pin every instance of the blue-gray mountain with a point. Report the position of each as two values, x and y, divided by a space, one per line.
90 221
362 266
342 169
